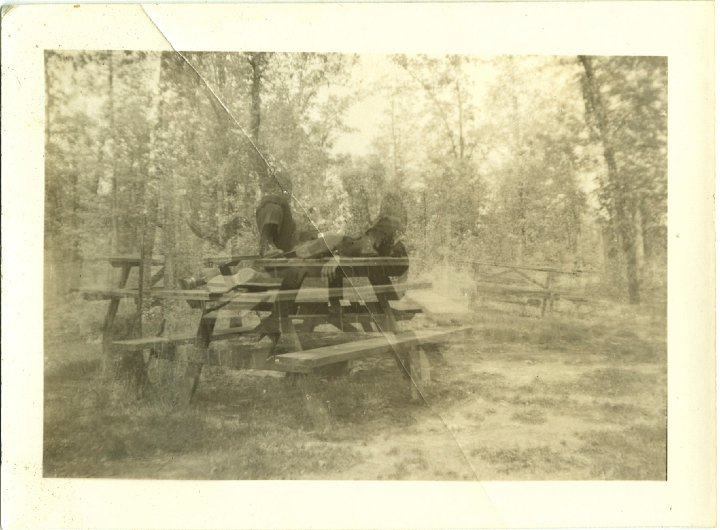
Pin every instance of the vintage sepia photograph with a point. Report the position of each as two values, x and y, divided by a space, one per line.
333 266
358 265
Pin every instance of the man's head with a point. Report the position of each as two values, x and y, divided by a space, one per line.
382 234
392 206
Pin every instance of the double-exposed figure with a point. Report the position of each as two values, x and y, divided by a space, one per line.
279 236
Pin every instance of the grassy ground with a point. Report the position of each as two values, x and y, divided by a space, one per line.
519 398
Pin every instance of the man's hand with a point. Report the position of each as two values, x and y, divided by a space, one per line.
328 270
272 252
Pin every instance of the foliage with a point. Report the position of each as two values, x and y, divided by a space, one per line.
626 111
498 159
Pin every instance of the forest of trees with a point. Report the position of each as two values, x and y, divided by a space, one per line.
557 161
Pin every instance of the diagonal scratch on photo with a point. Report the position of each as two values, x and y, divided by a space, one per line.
336 266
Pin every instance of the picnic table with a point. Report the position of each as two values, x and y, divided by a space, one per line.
523 282
365 318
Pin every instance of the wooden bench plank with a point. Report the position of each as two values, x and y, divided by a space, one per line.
231 332
519 290
313 292
219 261
150 342
131 259
153 342
306 361
349 316
107 294
510 289
405 305
277 295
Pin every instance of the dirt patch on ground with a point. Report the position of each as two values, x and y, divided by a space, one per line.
517 399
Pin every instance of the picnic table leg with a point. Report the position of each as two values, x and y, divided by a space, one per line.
191 379
547 303
132 368
419 372
235 321
355 307
108 325
387 323
337 313
411 360
288 333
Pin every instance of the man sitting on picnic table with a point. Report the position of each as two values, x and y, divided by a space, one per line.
381 239
279 234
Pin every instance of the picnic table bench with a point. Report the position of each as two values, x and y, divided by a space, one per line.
300 348
511 283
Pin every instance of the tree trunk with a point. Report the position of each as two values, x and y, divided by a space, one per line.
257 63
150 192
115 212
519 151
622 217
167 184
51 275
522 224
425 224
461 135
639 243
170 250
255 60
396 171
62 207
75 254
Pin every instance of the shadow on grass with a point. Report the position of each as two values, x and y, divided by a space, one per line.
262 428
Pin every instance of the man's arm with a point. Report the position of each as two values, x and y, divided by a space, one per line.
268 235
269 217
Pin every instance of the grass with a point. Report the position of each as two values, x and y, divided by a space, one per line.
634 453
622 411
625 340
408 465
267 427
613 382
609 412
515 459
534 416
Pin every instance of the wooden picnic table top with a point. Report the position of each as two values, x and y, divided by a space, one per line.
268 296
120 260
363 261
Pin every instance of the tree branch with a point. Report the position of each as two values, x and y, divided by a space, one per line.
438 106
